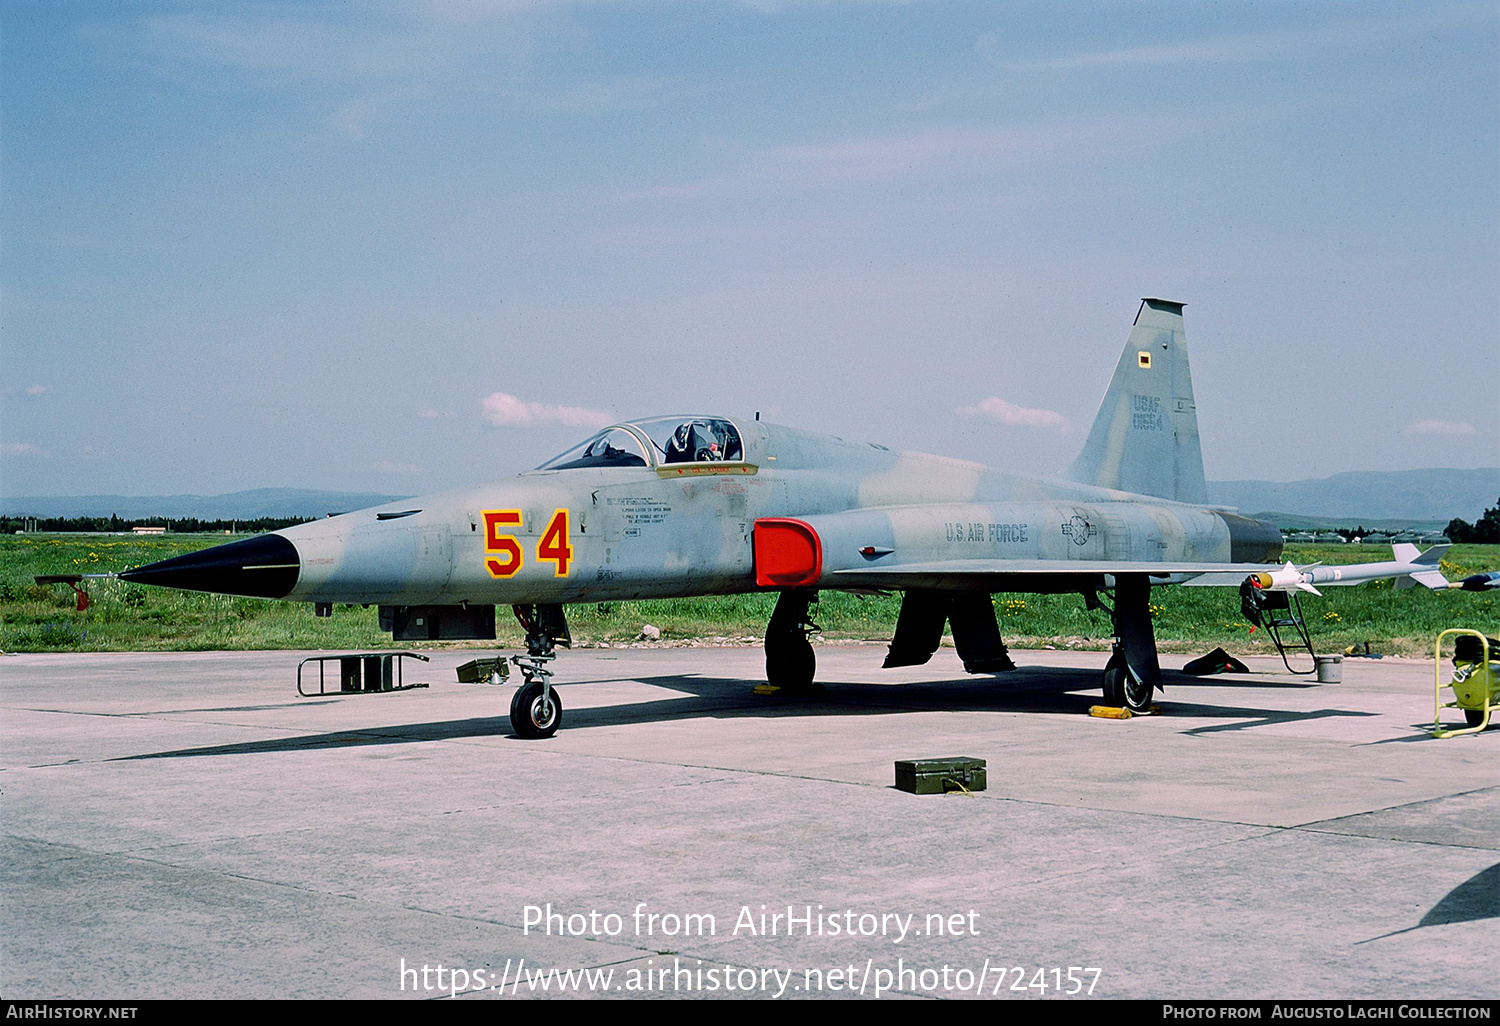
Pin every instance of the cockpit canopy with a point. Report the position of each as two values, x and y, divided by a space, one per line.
661 440
612 447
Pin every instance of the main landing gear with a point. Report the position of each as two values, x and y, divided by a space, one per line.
790 663
1133 672
536 710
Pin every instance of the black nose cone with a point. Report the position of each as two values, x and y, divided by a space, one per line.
262 567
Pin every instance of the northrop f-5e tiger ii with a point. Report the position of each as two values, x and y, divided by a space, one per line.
708 504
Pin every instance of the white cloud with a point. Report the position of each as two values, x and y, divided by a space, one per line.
1244 47
429 414
389 467
22 449
504 410
38 389
994 408
924 153
354 117
289 40
276 45
1441 427
608 95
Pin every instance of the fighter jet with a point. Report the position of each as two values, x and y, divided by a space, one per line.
708 504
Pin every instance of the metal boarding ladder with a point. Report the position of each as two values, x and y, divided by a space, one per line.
361 673
1278 612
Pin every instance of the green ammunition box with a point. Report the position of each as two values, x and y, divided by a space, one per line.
936 776
482 671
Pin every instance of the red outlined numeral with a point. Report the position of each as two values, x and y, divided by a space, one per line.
504 545
554 545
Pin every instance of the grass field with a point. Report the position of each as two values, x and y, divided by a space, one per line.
125 617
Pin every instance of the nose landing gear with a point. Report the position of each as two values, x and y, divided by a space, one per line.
536 709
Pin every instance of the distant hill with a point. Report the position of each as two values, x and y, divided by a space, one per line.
1390 497
1382 525
1435 496
259 502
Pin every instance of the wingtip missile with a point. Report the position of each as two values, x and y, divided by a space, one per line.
1288 578
1410 568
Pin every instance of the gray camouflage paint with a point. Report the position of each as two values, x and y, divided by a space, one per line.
687 529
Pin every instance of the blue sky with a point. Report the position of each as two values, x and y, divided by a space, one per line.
403 247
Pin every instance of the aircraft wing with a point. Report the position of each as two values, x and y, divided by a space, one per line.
975 573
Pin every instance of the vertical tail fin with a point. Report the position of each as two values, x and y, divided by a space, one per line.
1145 437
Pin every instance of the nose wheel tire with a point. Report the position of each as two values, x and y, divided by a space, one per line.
534 714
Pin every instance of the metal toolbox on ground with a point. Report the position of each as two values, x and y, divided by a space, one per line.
937 776
482 671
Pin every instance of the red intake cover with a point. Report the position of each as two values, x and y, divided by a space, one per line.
788 553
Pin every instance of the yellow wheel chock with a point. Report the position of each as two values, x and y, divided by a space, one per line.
1475 684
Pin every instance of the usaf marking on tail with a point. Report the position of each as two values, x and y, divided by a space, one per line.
700 505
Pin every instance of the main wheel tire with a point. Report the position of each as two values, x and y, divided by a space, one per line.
1474 717
791 664
531 716
1137 693
1123 691
1114 686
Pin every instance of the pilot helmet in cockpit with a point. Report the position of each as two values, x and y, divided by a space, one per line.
695 441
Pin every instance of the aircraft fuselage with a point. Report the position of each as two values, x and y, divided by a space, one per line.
614 533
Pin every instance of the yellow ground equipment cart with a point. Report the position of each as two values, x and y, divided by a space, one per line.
1475 681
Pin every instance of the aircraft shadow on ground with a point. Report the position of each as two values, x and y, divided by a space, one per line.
1476 898
1240 681
1048 690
